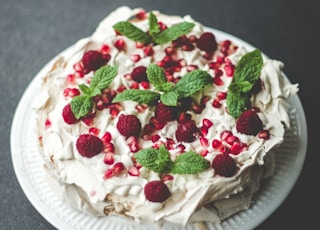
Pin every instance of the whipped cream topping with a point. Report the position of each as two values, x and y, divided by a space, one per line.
205 196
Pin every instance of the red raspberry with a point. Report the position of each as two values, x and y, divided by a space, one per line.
156 191
186 131
129 125
164 113
249 123
89 145
224 165
139 74
207 42
93 60
68 115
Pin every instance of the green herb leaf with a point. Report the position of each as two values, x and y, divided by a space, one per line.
132 32
154 28
86 90
237 102
169 98
103 77
166 87
189 163
173 32
138 95
192 82
248 71
156 160
156 75
249 67
81 106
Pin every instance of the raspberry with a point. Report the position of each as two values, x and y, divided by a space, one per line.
249 123
186 131
93 60
156 191
68 115
139 74
89 145
164 113
129 125
207 42
224 165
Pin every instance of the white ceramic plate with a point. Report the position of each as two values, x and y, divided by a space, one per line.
29 169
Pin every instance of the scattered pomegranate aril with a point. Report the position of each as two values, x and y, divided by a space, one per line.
47 123
108 173
94 131
118 168
133 171
135 57
264 134
148 51
108 148
166 177
107 137
207 123
120 44
216 144
108 158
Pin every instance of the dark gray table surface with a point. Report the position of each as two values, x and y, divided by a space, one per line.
32 32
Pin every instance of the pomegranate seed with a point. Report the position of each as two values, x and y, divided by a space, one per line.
204 142
158 125
218 81
105 49
196 108
188 47
229 70
166 177
108 158
133 171
225 134
222 95
170 144
47 123
114 112
148 129
139 45
128 76
134 147
131 140
264 134
162 26
100 105
192 68
121 88
120 44
226 43
183 117
78 67
218 72
155 138
135 57
220 60
169 50
204 100
145 84
157 144
134 85
118 168
108 174
106 138
216 144
108 148
88 121
214 65
216 103
231 139
181 148
141 15
192 39
140 108
94 131
237 147
207 123
71 79
204 131
148 51
204 152
78 74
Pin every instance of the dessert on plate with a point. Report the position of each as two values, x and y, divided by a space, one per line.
154 118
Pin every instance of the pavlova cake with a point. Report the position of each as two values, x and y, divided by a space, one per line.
154 119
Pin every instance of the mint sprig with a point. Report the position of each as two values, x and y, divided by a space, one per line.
168 93
247 72
154 34
82 105
159 161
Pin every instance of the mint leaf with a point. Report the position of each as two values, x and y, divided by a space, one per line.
166 87
189 163
247 72
237 102
102 78
249 67
156 75
173 32
154 28
132 32
81 106
153 159
192 82
138 95
85 89
169 98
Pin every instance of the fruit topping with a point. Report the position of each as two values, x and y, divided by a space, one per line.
249 123
164 113
129 125
68 115
186 131
224 165
89 145
139 74
207 42
93 60
156 191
